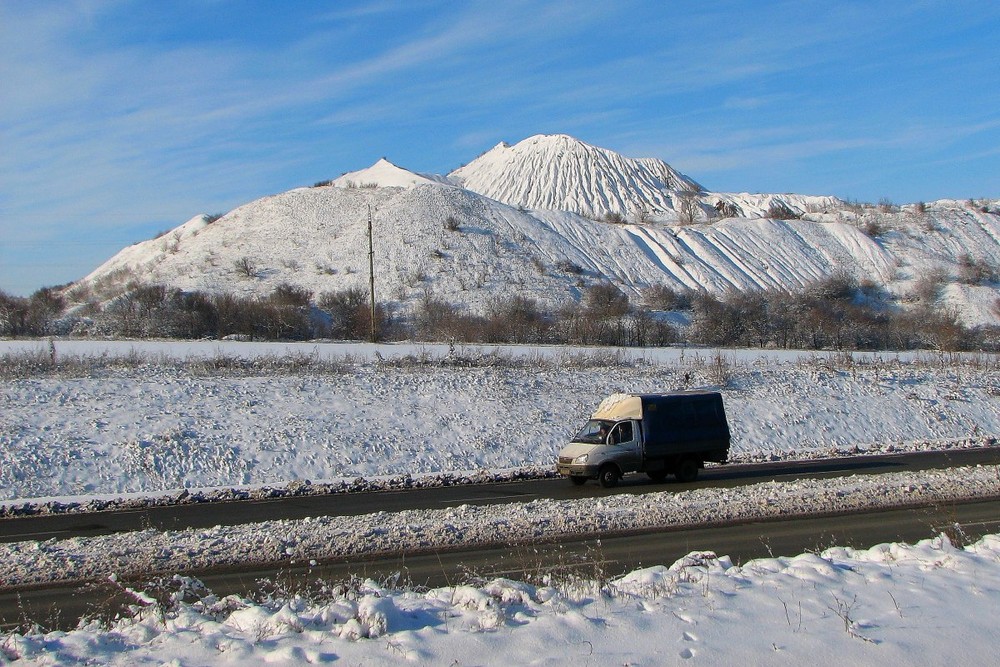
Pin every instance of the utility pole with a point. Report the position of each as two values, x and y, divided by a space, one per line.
371 274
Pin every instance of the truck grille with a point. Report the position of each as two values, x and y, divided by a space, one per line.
565 459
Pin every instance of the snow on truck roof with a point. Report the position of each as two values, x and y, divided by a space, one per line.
629 406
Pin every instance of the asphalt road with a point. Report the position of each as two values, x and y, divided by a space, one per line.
62 606
206 515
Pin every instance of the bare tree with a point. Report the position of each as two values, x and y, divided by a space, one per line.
641 215
686 205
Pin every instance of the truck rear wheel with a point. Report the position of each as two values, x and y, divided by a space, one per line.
578 480
657 476
687 470
609 476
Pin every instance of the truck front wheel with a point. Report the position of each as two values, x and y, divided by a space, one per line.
609 476
687 470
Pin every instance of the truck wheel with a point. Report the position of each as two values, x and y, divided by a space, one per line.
657 476
608 476
577 480
687 470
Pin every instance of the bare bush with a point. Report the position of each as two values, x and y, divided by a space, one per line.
246 267
350 313
928 287
42 309
514 319
13 314
640 215
614 218
872 225
451 224
972 271
885 205
436 319
781 211
604 300
661 297
839 285
567 266
287 294
727 209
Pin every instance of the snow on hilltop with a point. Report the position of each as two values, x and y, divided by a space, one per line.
527 220
384 174
559 172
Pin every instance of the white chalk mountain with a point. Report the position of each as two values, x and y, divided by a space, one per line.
530 219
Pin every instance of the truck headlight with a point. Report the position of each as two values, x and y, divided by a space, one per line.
581 459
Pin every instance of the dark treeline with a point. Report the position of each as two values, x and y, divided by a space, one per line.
834 313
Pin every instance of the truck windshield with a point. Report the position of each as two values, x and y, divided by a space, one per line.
595 431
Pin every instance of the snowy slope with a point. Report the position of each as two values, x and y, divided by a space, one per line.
558 172
562 173
317 238
387 175
435 238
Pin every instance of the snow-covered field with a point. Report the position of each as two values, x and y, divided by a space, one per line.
166 418
151 418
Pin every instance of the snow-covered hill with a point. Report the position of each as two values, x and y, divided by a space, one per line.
562 173
558 172
510 222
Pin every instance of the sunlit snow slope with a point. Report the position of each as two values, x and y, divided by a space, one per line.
436 237
562 173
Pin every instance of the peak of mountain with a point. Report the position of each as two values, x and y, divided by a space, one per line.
560 172
386 175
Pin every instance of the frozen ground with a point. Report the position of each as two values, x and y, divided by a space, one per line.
155 418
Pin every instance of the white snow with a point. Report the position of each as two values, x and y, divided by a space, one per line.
558 172
169 421
151 416
520 231
384 174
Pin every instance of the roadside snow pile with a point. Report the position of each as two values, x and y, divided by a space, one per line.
929 603
160 425
466 526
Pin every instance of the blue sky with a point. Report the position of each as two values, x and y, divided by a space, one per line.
120 119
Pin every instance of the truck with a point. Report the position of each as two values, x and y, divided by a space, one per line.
658 434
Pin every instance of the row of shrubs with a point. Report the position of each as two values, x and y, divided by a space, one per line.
832 314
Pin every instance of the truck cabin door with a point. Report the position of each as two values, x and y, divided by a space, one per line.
625 435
